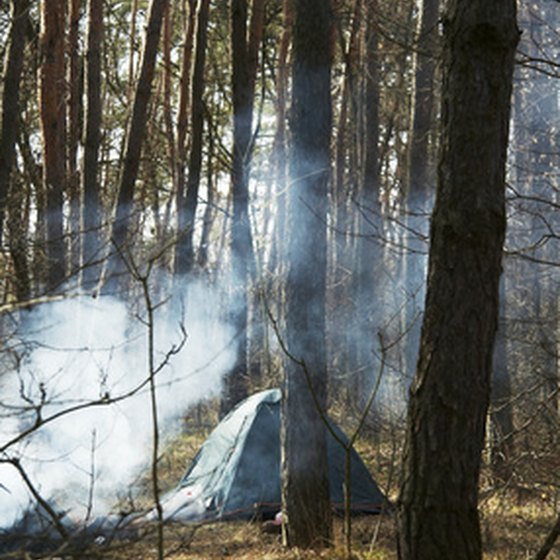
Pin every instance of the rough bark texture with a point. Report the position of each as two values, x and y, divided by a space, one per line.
438 516
90 182
53 121
181 149
121 234
10 100
305 493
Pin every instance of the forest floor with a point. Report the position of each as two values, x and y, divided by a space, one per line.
514 523
509 533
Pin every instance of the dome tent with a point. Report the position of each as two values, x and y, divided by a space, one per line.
236 473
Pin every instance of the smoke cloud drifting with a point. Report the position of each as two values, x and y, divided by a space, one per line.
82 350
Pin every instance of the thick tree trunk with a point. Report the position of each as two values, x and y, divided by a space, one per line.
53 119
90 176
122 236
305 488
438 516
10 101
184 255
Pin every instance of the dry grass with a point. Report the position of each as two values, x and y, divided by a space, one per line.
514 529
247 541
510 532
514 524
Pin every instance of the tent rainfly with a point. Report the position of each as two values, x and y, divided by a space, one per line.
236 473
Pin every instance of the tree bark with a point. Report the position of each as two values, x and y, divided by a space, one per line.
305 488
367 276
122 236
75 87
90 175
501 414
53 119
10 101
438 516
279 147
245 47
421 174
184 109
184 257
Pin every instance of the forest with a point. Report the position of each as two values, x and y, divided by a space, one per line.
354 201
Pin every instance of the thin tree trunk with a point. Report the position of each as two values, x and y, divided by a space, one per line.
279 147
90 177
75 86
132 50
122 235
32 174
184 255
344 308
367 276
182 125
208 219
421 175
305 487
438 515
53 120
168 123
244 69
501 416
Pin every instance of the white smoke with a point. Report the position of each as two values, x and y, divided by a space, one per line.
84 350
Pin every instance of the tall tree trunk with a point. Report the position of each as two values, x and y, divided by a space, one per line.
421 174
75 86
53 119
438 515
32 175
305 487
11 197
91 217
132 65
501 413
344 188
279 146
10 101
367 276
122 236
184 109
184 255
244 48
208 218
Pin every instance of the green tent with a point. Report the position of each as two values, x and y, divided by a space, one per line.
236 473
